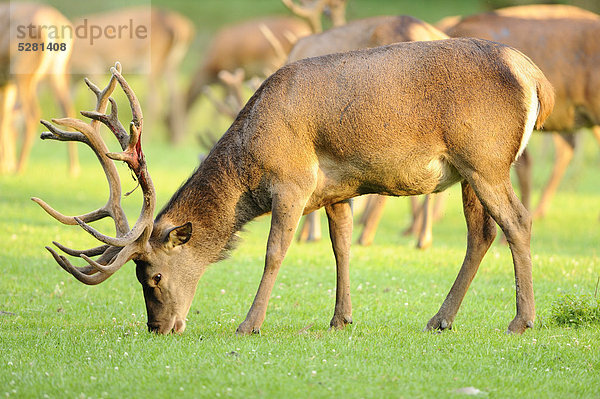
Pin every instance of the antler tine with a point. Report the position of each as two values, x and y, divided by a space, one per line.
112 208
115 264
94 272
102 96
121 241
111 121
117 250
89 252
136 109
220 105
77 272
233 82
275 43
70 220
61 135
134 157
311 12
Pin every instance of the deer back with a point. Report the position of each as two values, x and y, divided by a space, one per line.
379 114
565 48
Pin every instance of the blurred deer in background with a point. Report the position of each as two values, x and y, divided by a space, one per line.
365 33
158 54
258 47
245 46
22 71
405 119
563 41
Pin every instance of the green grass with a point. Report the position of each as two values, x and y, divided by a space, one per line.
59 338
69 340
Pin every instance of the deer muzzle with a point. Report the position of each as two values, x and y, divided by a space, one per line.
173 326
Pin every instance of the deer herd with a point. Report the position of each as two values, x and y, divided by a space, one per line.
382 106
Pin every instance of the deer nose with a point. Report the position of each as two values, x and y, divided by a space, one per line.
154 327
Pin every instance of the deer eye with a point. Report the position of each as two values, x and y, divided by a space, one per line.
156 278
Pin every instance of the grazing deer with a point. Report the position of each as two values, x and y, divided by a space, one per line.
366 33
22 71
563 41
158 53
404 119
245 46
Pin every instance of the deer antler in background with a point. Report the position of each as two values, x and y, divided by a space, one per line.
311 11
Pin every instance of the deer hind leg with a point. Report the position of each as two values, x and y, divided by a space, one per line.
564 146
596 132
366 208
373 213
174 113
8 134
311 228
416 211
523 170
287 208
425 238
481 233
439 205
31 112
515 221
339 216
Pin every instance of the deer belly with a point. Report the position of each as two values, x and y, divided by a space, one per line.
337 182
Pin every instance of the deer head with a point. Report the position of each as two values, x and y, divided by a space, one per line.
148 246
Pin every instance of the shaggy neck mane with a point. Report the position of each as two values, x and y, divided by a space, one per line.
215 200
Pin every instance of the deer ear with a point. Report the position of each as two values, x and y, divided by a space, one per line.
179 235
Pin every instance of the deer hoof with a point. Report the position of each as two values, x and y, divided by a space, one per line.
438 323
425 243
338 323
519 325
247 329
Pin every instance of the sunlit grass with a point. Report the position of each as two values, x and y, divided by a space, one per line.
59 338
62 338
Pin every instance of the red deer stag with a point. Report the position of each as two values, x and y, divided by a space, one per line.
404 119
23 70
563 41
365 33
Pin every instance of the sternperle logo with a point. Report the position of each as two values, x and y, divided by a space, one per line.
84 30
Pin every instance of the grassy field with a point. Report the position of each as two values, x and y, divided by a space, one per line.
59 338
62 339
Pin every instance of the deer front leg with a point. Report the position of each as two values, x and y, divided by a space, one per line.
287 208
503 205
481 231
339 216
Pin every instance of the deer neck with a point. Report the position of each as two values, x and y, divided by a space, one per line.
216 200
